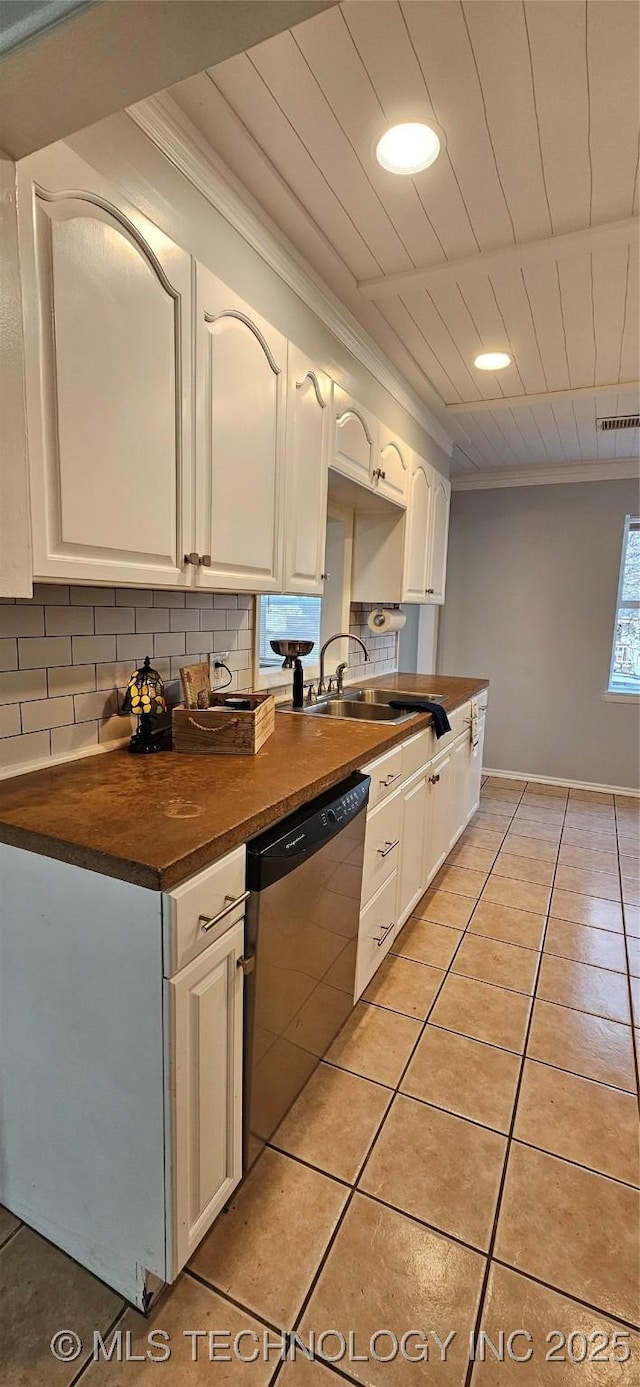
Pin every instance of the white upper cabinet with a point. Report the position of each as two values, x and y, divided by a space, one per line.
306 473
107 315
240 434
417 532
355 440
393 467
439 539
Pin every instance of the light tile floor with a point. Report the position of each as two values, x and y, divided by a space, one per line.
465 1159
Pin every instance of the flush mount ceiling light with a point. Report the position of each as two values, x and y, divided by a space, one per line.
492 361
408 148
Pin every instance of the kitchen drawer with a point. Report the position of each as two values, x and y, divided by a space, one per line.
381 845
417 752
376 932
218 891
386 774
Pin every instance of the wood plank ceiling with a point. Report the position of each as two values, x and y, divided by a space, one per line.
522 237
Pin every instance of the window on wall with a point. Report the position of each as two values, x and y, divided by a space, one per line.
624 677
290 617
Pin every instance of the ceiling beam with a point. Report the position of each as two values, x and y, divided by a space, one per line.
524 253
544 397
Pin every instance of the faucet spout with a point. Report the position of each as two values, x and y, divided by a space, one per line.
340 636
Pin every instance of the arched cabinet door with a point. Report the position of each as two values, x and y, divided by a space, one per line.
307 463
417 533
439 539
393 467
355 439
240 419
107 362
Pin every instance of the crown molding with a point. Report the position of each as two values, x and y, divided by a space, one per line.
613 469
161 119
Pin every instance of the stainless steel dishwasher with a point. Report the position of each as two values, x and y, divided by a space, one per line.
305 880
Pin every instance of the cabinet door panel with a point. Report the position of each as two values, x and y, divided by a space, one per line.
307 462
355 438
439 540
417 533
241 365
107 356
205 1039
460 770
413 845
475 768
439 782
394 462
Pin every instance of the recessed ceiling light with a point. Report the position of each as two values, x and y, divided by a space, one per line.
492 361
408 148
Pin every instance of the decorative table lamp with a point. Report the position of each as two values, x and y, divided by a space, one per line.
145 697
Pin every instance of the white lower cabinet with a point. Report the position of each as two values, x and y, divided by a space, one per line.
439 784
475 761
378 928
413 825
204 1004
413 837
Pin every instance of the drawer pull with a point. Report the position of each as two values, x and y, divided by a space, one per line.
383 934
388 847
246 964
433 779
230 902
389 779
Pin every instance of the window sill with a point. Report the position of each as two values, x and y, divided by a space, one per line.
610 697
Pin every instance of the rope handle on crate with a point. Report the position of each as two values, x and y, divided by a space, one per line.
212 730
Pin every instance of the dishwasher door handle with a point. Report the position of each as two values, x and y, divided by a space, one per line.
207 922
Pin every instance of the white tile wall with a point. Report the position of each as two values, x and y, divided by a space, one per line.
66 656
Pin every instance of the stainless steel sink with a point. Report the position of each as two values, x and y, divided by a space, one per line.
353 708
365 705
382 696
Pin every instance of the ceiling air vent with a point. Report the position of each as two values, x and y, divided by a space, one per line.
619 421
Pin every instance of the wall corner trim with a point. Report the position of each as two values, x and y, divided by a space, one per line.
606 470
161 120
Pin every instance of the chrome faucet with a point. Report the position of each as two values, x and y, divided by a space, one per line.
340 636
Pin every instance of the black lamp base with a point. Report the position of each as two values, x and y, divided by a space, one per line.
143 742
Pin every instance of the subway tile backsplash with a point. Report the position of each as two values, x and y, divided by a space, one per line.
66 656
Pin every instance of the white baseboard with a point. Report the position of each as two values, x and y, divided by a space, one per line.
571 784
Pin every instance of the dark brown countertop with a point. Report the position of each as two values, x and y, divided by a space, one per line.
156 820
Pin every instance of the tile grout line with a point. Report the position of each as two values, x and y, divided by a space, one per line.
503 1179
354 1189
89 1360
634 1036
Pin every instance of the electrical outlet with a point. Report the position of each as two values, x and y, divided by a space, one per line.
219 676
219 657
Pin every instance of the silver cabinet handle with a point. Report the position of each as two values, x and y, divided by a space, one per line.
205 561
383 934
192 558
390 779
388 847
207 922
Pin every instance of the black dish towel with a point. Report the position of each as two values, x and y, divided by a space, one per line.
423 705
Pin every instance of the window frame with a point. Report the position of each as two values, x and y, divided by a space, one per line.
614 695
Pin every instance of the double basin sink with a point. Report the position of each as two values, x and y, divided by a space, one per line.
364 705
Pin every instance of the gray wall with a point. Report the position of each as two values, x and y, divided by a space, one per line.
531 593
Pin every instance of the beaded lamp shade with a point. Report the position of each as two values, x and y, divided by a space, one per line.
145 697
